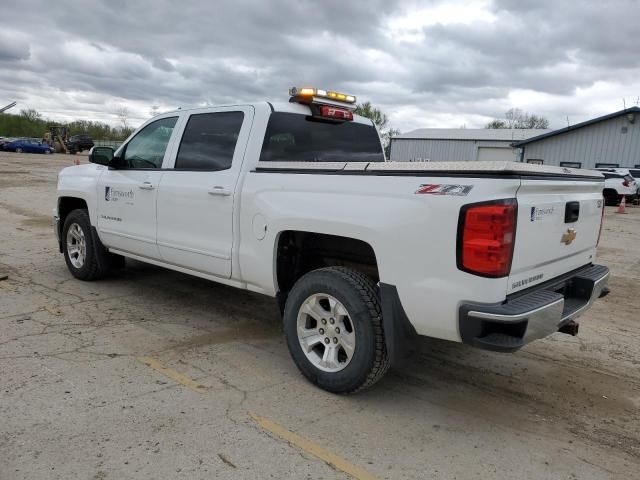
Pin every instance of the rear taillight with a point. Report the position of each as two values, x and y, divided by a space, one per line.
486 237
601 222
625 183
337 113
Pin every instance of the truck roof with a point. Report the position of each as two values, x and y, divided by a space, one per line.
288 107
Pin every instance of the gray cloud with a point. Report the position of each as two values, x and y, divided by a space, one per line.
553 58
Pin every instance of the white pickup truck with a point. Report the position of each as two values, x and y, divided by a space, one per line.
296 201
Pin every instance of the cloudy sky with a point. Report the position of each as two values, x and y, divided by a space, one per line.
426 64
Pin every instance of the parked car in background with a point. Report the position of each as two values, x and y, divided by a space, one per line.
27 145
635 173
4 141
78 143
618 183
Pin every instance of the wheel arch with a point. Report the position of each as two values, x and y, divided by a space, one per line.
297 252
66 204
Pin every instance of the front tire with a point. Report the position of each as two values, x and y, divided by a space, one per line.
85 255
18 150
333 328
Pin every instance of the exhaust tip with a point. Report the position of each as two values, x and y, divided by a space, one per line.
570 328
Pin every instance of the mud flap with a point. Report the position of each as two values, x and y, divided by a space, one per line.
400 336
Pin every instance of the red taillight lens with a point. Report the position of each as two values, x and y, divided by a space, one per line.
333 112
486 236
625 183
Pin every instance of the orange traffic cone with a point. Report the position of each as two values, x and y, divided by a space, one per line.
623 204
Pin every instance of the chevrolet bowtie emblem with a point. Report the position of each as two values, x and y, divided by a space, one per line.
569 236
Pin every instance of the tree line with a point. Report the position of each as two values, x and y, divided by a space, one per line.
30 123
516 118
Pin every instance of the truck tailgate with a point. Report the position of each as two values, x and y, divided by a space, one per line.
557 229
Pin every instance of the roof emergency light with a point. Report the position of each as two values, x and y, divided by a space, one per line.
332 106
317 95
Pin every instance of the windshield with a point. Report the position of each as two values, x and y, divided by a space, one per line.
293 137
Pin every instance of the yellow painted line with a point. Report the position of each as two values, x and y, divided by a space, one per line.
173 375
313 448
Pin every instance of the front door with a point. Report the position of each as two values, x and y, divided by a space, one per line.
128 190
196 198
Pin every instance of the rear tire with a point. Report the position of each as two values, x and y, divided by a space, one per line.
611 197
336 314
85 255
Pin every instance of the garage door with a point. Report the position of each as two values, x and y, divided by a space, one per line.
496 154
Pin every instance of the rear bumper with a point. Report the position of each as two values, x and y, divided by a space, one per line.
534 313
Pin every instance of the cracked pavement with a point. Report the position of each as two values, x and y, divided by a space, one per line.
78 400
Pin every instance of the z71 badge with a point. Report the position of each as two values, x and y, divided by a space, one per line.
437 189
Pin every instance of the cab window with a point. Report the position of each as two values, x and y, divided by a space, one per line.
209 141
146 149
292 137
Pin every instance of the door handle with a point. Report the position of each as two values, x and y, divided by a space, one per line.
146 186
223 192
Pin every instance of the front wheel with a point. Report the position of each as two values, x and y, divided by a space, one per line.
85 255
18 150
333 328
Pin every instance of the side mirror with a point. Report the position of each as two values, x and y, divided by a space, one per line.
101 155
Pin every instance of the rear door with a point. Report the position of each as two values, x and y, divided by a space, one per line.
196 197
557 229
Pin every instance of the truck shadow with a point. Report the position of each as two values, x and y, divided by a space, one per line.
538 389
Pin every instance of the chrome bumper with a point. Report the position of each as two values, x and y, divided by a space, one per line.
534 314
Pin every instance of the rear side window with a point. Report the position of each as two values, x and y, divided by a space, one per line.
292 137
209 141
612 175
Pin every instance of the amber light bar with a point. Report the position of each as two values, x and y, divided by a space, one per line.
309 93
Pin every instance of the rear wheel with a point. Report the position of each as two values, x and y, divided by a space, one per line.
333 327
611 197
85 255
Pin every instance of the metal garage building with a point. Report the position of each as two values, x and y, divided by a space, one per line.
609 141
459 144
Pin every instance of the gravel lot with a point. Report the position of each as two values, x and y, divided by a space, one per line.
156 374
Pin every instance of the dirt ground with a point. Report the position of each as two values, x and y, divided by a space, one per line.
156 374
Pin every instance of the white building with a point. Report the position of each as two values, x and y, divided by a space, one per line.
459 144
612 140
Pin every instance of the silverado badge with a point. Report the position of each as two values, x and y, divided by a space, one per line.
569 236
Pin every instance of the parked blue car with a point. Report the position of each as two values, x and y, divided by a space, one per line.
27 145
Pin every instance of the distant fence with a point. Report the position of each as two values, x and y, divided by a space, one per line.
107 143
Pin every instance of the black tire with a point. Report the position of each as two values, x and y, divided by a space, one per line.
611 197
359 295
98 262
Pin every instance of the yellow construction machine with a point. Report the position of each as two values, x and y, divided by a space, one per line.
57 137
